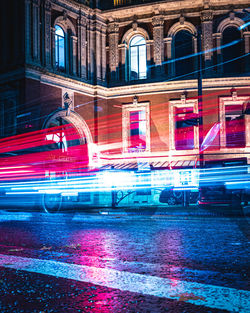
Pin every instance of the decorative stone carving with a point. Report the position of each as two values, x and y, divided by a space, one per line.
67 103
206 4
207 33
207 16
182 20
231 16
47 5
158 23
134 26
113 46
65 15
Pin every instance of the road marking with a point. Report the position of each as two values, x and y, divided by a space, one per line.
218 297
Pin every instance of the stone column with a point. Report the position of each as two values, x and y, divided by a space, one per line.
104 53
74 54
207 39
53 31
98 45
27 31
218 37
47 19
82 53
113 50
158 23
246 62
36 30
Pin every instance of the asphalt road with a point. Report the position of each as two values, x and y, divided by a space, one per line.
119 263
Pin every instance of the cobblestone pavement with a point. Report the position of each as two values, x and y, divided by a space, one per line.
93 263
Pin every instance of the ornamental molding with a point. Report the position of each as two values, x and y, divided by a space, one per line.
65 24
234 99
182 26
130 90
79 124
236 22
207 16
131 33
126 109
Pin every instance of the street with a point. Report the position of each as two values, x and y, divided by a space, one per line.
123 263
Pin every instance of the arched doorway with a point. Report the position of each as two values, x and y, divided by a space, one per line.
69 152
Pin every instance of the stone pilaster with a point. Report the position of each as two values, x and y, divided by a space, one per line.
82 47
53 31
47 19
98 45
207 38
104 53
74 54
113 50
91 51
158 23
27 30
36 30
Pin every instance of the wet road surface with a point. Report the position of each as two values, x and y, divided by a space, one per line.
93 263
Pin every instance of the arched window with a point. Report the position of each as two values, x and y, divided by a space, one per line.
137 58
234 51
59 48
183 46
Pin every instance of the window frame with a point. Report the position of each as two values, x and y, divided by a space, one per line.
234 99
182 103
126 110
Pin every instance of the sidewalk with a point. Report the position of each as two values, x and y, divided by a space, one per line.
192 210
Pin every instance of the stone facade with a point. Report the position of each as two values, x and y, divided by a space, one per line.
97 69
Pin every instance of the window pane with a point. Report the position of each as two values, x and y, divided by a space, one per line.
134 68
138 58
59 48
184 129
142 61
235 126
59 31
183 46
138 130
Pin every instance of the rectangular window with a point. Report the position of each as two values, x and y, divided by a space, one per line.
235 126
185 120
137 136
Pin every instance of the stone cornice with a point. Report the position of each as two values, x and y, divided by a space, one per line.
142 89
170 9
